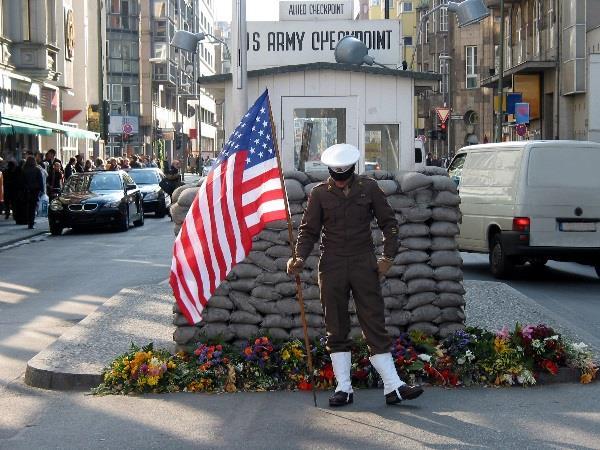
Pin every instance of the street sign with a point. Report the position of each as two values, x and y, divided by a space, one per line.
522 112
456 117
127 128
443 114
521 129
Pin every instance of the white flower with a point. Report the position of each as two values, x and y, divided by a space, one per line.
425 357
469 355
461 360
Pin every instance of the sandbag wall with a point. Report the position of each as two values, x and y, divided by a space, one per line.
423 290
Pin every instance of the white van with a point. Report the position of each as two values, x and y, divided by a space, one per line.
530 201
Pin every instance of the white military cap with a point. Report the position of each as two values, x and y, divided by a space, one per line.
340 157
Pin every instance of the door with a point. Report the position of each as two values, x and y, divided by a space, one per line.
311 124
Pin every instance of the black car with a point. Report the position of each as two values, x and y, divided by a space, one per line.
97 198
155 199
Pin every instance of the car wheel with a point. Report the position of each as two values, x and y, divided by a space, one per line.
124 225
140 221
501 265
55 229
597 270
161 211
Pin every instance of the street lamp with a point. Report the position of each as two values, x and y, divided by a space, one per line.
467 13
350 50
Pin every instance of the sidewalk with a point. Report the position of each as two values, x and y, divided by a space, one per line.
11 233
144 314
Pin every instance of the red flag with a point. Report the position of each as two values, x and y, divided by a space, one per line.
241 193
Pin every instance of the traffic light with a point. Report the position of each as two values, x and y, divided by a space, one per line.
105 118
178 140
442 131
432 135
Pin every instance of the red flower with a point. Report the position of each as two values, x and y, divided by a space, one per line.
328 372
257 341
364 362
361 374
304 386
550 366
219 347
197 352
248 351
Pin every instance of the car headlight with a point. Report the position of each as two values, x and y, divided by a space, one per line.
113 204
151 196
56 205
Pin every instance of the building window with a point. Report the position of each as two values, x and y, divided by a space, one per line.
407 40
381 147
26 26
406 7
444 17
519 36
444 73
50 21
551 24
507 43
116 93
471 67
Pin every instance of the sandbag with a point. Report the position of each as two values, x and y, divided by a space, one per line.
388 187
447 299
448 273
296 175
421 285
411 257
393 330
272 278
245 317
424 327
183 335
296 208
400 318
446 258
260 259
415 271
275 320
443 183
180 320
411 181
423 197
245 270
294 189
243 330
313 306
288 306
187 197
318 175
399 201
177 192
417 214
396 271
452 287
216 331
265 292
425 313
281 264
396 302
452 314
278 333
445 198
312 262
215 315
443 243
277 225
392 287
241 301
220 301
447 229
310 292
445 214
309 187
288 289
279 251
223 289
312 320
434 170
416 243
264 306
413 230
178 213
243 285
420 299
313 333
271 236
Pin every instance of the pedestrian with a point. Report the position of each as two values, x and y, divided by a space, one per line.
70 168
88 166
339 214
33 184
428 159
112 164
55 180
135 163
125 164
50 158
11 176
99 165
79 164
1 188
41 163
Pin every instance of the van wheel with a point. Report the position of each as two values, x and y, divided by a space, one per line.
538 263
501 265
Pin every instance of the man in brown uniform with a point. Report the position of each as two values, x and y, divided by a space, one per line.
340 211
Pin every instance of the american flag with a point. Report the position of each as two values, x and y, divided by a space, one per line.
241 193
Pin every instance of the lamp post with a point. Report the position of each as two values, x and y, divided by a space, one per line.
500 118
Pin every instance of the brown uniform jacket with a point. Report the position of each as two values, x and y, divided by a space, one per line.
345 221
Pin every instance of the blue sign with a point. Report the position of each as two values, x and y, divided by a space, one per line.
512 98
522 112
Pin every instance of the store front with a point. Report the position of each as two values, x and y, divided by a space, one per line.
320 104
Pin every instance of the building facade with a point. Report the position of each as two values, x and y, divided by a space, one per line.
156 105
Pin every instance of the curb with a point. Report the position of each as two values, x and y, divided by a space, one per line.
58 381
17 240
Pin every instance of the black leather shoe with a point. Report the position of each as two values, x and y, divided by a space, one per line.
341 398
405 392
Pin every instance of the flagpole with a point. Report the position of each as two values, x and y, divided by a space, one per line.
298 281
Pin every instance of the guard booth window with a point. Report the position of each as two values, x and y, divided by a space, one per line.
315 129
381 147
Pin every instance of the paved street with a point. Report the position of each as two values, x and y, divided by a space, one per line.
571 291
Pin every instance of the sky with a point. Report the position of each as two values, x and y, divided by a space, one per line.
255 9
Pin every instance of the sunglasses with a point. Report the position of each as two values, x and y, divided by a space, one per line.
342 169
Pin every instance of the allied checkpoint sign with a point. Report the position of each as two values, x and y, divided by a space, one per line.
315 10
289 42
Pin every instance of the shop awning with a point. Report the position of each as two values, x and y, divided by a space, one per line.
27 125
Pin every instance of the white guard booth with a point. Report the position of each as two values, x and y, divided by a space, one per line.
316 105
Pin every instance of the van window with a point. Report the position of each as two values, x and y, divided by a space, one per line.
492 168
564 167
456 167
418 155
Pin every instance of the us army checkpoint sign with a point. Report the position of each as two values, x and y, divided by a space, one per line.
272 44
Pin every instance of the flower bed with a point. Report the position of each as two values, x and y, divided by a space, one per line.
471 357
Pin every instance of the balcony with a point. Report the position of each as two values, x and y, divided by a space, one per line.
496 3
35 60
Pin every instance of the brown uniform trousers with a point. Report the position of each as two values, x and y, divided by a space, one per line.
348 263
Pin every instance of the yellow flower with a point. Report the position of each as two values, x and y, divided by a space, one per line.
586 378
500 345
152 381
171 365
285 355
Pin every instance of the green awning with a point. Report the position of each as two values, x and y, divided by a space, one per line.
27 125
12 127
